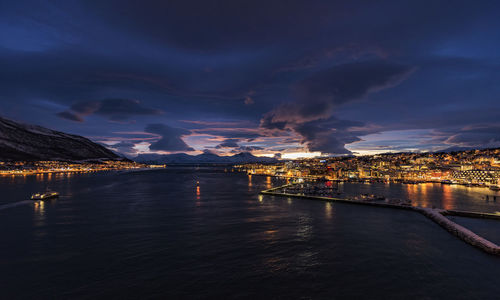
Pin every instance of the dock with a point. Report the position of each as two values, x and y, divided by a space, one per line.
435 214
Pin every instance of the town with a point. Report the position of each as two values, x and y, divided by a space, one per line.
24 168
472 167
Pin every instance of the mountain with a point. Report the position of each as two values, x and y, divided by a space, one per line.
177 158
458 149
29 142
182 158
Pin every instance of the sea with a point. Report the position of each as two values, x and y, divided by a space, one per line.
192 232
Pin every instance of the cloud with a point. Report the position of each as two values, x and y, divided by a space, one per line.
124 147
317 95
113 109
170 138
207 70
246 149
236 148
249 100
310 115
326 136
228 143
249 148
231 133
480 135
68 115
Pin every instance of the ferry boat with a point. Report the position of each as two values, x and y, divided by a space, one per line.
45 196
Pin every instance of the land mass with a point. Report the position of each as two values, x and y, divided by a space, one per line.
23 142
183 158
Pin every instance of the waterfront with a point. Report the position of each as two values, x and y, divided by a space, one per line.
446 196
155 234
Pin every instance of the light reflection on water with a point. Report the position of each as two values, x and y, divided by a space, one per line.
198 195
448 199
438 195
39 207
328 210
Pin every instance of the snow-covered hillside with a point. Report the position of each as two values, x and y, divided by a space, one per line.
28 142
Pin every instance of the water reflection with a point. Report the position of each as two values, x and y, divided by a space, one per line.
328 210
198 194
249 182
411 190
419 194
39 218
39 207
448 200
424 194
268 182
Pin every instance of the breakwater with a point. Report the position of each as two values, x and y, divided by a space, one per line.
436 215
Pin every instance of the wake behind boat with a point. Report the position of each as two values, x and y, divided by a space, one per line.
45 196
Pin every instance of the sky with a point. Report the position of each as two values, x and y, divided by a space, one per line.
290 78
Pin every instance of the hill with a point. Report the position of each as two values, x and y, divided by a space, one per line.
20 141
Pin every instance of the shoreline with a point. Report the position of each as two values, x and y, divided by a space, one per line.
368 181
22 174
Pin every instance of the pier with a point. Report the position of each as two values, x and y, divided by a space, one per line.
436 215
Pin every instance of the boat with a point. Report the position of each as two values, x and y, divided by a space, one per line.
494 187
45 196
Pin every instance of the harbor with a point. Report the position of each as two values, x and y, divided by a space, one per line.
437 215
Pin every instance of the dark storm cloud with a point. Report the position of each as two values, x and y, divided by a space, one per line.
480 135
328 136
249 148
126 148
231 133
318 95
245 149
170 138
235 147
228 143
296 63
220 24
113 109
214 26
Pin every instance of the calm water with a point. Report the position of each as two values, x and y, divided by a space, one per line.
153 234
457 197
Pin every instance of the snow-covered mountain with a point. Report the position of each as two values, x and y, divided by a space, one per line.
182 158
29 142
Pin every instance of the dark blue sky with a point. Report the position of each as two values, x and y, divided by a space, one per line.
262 76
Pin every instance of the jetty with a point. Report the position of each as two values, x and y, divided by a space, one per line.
435 214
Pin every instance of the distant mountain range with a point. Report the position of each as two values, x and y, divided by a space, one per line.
460 149
182 158
29 142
